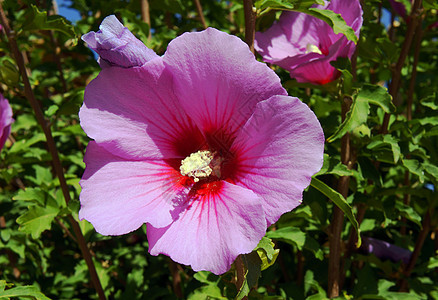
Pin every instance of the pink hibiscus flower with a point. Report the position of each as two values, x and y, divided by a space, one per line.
5 120
305 45
202 144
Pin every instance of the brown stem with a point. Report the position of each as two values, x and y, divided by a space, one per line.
334 270
300 268
414 257
52 148
250 19
396 75
176 279
66 230
417 44
200 13
145 15
57 52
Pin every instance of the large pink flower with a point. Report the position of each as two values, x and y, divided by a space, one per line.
5 120
305 45
202 144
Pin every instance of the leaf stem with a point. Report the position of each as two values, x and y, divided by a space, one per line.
176 279
396 75
200 13
145 15
250 19
334 270
51 147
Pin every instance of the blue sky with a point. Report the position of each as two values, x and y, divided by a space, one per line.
70 14
73 15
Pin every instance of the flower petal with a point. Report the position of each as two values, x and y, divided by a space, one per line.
5 120
118 196
217 79
277 152
134 114
213 230
116 45
291 35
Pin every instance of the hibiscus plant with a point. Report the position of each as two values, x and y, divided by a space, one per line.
209 149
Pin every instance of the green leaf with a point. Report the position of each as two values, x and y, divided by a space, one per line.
291 235
334 20
360 109
414 167
357 115
343 64
27 291
332 165
264 6
31 194
253 269
378 95
431 171
38 20
340 201
430 101
37 219
273 4
385 148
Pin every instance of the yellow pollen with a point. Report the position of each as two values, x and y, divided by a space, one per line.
312 48
197 165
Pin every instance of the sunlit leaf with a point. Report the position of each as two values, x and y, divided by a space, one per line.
340 201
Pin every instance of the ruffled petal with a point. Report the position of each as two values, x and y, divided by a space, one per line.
116 45
118 196
217 79
135 114
213 230
304 33
351 12
277 152
5 120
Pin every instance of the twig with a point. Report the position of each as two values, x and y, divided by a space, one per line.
176 279
418 39
52 148
146 16
200 13
396 75
250 19
336 225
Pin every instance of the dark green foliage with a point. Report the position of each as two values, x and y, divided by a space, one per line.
393 172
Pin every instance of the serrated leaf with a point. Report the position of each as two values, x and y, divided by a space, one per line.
414 167
38 20
37 219
333 166
430 101
431 170
267 253
359 110
356 116
31 194
385 148
21 291
378 95
340 201
334 20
